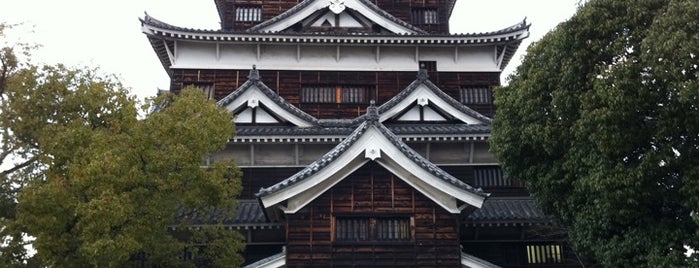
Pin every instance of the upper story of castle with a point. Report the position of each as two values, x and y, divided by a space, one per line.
430 16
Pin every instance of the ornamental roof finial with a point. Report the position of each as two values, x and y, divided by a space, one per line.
337 6
422 74
372 113
254 74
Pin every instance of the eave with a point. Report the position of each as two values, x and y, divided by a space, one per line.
507 35
163 38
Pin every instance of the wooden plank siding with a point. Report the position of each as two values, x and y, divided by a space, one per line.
372 191
384 85
402 9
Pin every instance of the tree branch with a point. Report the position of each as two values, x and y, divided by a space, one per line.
19 166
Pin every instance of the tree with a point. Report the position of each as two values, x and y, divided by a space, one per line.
100 186
12 241
602 122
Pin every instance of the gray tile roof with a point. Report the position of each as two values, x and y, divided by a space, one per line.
371 120
495 211
248 214
436 129
398 129
305 3
151 21
318 164
254 80
508 210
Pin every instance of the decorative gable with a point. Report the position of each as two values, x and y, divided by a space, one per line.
328 19
423 101
371 141
255 103
336 15
423 112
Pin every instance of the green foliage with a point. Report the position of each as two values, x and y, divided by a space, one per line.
602 122
96 186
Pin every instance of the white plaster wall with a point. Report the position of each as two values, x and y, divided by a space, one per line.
199 55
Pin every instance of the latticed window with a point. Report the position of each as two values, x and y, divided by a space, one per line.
544 254
348 229
425 16
354 94
352 229
335 94
393 229
476 95
493 177
248 13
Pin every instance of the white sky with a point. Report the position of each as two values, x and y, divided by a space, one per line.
107 34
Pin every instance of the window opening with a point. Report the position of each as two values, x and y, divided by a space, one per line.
335 94
248 13
425 16
544 254
395 229
476 95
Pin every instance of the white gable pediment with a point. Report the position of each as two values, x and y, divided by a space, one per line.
254 106
372 145
422 113
256 115
423 104
342 20
335 13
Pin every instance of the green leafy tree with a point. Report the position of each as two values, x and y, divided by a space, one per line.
95 184
602 122
14 157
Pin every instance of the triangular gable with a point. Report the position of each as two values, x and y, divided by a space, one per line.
350 13
371 141
254 102
256 114
423 113
423 100
346 19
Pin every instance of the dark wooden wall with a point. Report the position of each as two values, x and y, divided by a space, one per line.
288 84
372 191
402 9
398 8
270 9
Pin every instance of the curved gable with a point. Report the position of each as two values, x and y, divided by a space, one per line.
371 141
255 101
425 97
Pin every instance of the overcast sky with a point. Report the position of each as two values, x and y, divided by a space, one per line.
107 34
